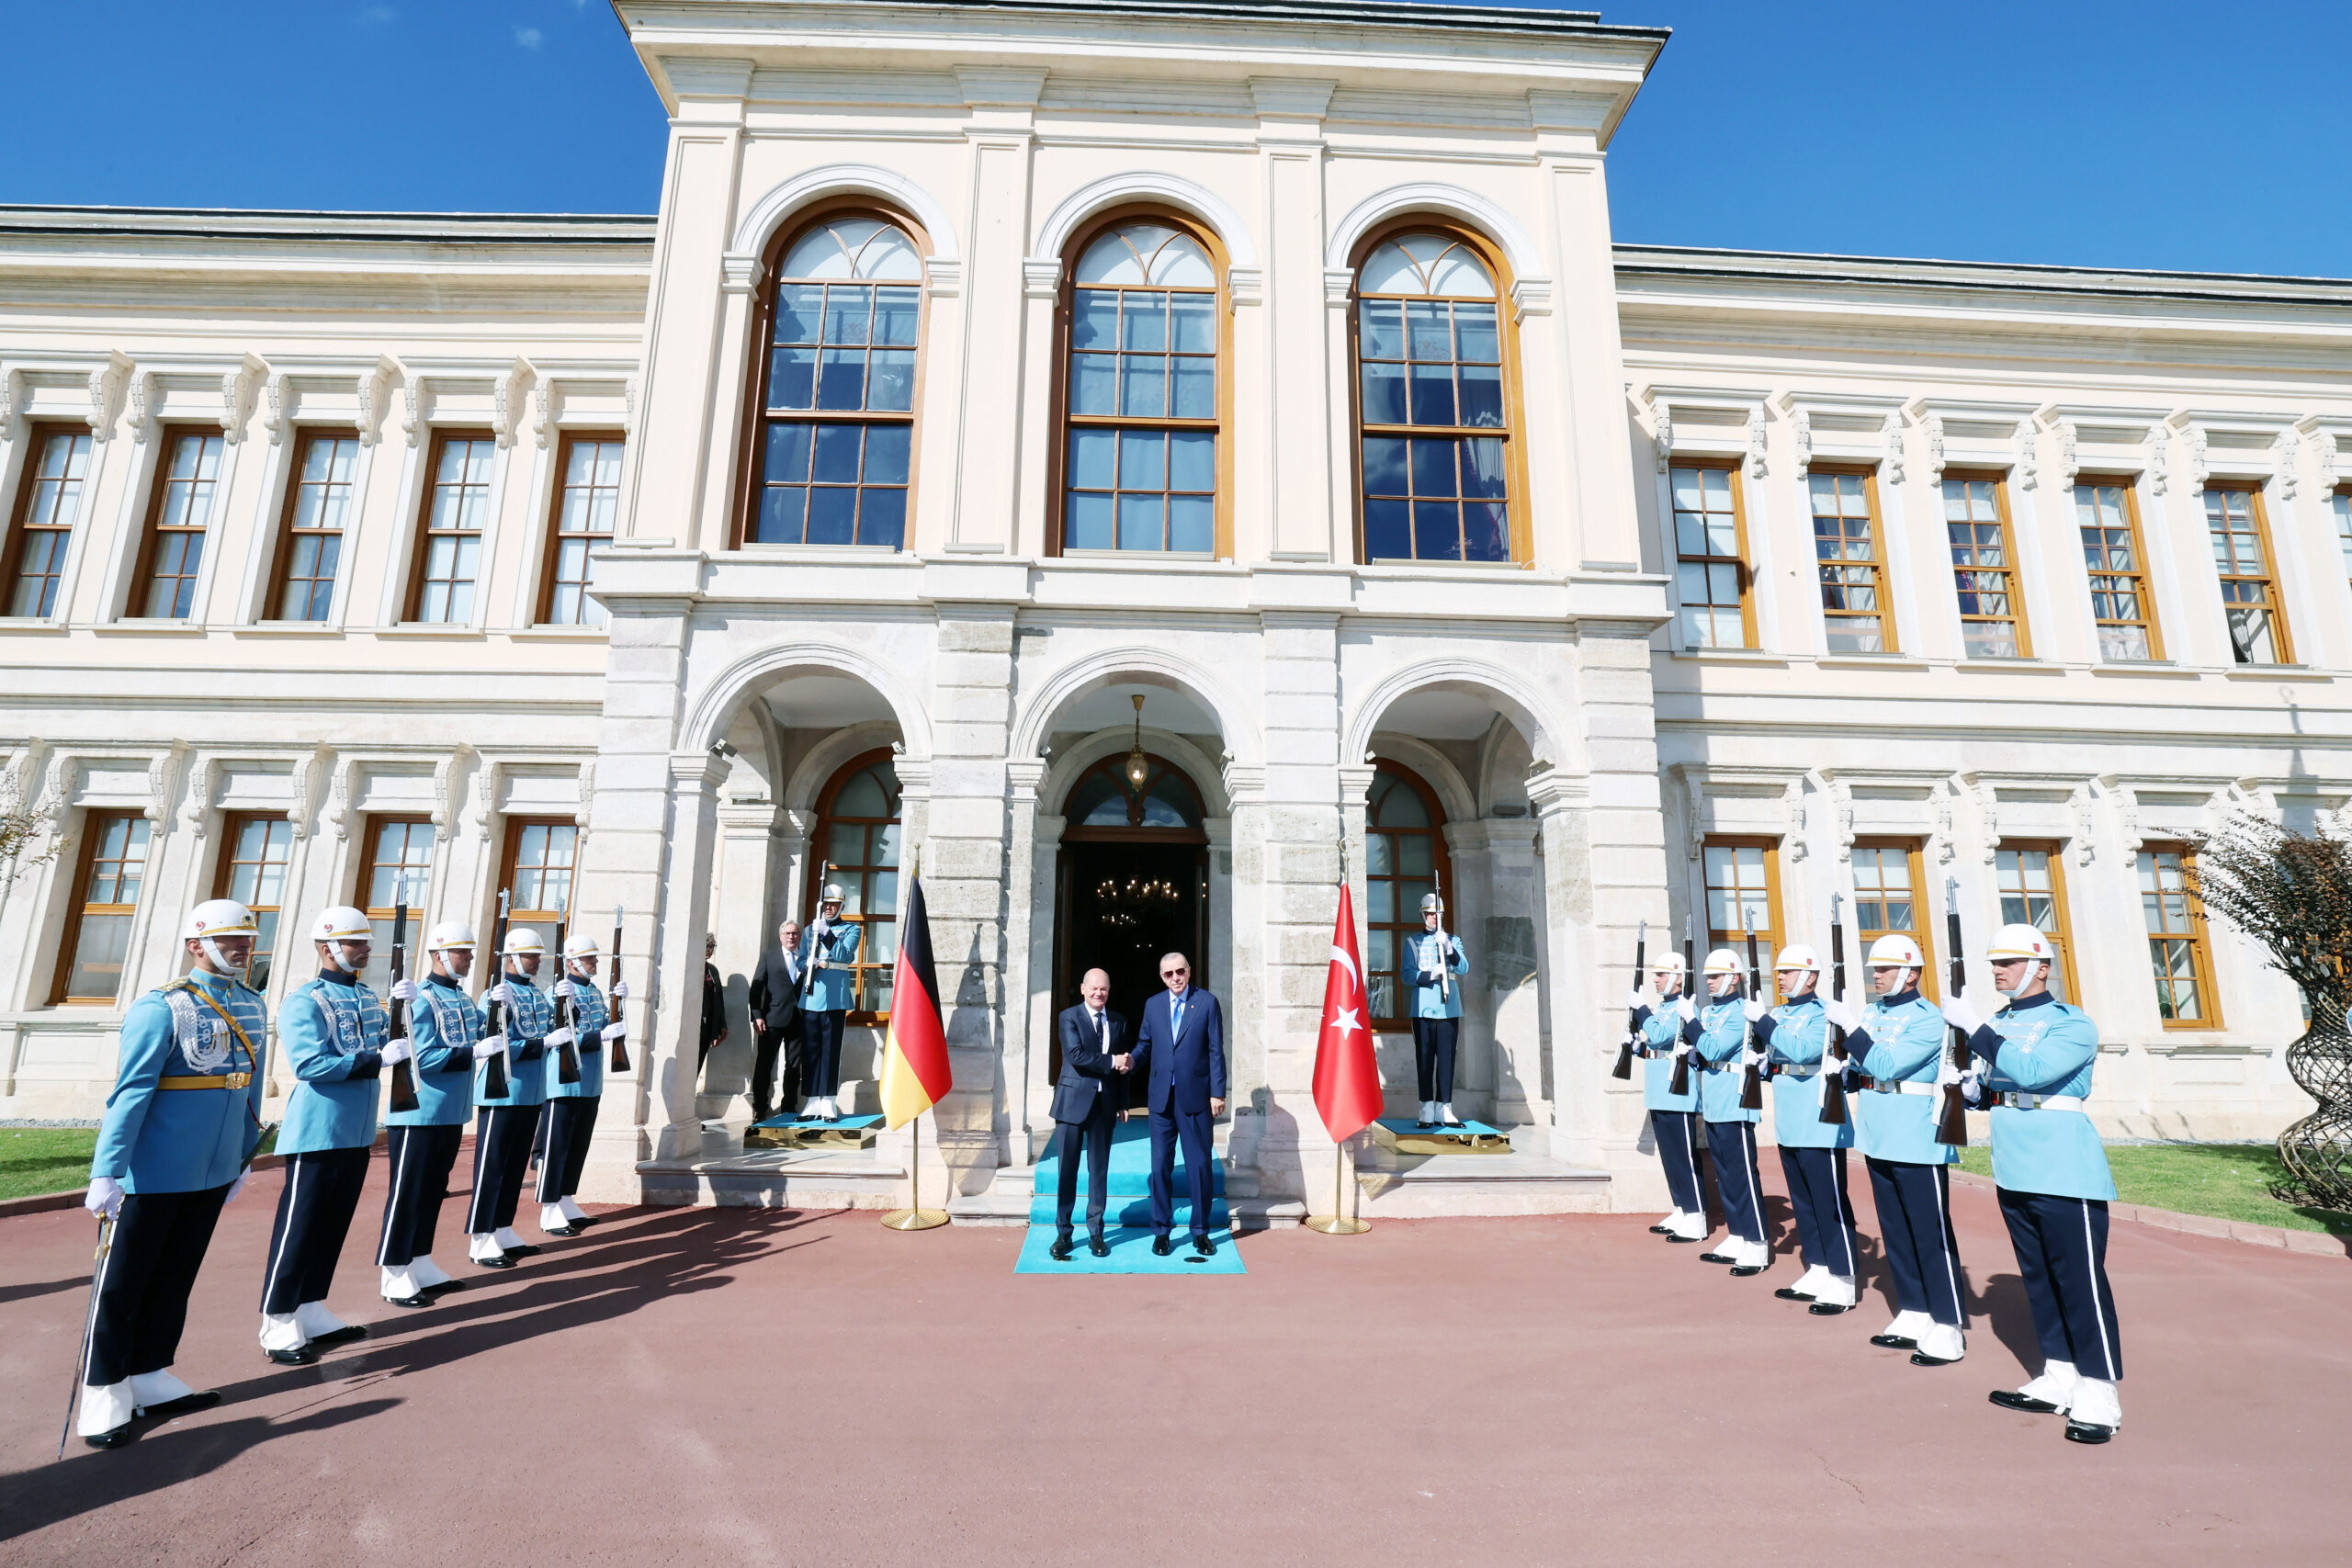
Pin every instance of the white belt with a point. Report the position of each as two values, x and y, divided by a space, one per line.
2015 1101
1900 1086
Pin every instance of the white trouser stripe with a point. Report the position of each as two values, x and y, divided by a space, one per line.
278 1254
2098 1311
1943 1242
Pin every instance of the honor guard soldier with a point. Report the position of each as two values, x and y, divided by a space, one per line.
443 1022
569 1119
1719 1037
1437 959
182 1124
504 1125
2054 1185
1898 1045
335 1031
1813 1153
828 951
1674 1118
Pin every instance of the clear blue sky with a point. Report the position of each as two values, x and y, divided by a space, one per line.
2213 137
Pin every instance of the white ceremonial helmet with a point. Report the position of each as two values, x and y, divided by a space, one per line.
521 941
219 916
1895 951
1797 955
2018 941
450 934
832 893
1432 905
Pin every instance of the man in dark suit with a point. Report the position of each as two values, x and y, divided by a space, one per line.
1180 1048
775 1024
1088 1100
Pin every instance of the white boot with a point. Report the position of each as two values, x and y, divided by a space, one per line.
282 1331
426 1273
401 1284
149 1390
314 1320
106 1407
571 1211
2055 1385
552 1217
1942 1342
1834 1290
484 1245
2095 1415
506 1238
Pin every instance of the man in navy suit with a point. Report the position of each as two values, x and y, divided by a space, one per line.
1181 1049
1088 1100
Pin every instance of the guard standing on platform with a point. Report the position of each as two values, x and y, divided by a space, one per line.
2054 1184
1897 1044
334 1031
828 951
1813 1153
569 1118
182 1124
1437 959
504 1125
443 1022
1674 1118
1719 1036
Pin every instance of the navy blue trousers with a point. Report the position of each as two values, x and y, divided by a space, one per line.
1915 1224
1676 1134
1195 1128
1825 1211
1732 1145
2061 1256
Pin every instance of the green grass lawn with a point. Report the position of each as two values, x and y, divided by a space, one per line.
34 1160
2228 1181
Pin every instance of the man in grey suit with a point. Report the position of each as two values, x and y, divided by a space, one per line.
1088 1100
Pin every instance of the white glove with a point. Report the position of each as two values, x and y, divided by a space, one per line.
1961 1014
1637 998
558 1037
563 988
1685 1010
620 990
235 1188
1754 1008
490 1045
396 1053
403 990
1948 1075
1840 1013
104 1196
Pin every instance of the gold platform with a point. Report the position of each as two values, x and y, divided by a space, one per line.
1478 1140
808 1137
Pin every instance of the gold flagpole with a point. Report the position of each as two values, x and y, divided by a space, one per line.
915 1216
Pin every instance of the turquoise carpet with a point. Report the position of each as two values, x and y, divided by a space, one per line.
1126 1226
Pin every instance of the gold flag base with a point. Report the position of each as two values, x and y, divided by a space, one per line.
1337 1221
914 1219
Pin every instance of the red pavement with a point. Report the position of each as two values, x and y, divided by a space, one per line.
699 1386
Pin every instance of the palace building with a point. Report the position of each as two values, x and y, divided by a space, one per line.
1134 462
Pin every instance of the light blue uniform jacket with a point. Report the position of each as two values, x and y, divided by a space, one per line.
184 1140
588 1018
530 1013
334 1034
1430 999
831 989
443 1024
1718 1034
1654 1045
1798 1033
1905 1043
2042 1046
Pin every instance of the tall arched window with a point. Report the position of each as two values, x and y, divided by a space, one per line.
1436 402
834 413
1143 439
857 846
1404 857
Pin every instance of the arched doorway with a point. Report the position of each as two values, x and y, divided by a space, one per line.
1133 885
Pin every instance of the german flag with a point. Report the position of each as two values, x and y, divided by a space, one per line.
915 1071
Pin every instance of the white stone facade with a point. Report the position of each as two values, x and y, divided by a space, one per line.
1581 754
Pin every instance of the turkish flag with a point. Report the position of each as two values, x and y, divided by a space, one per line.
1347 1074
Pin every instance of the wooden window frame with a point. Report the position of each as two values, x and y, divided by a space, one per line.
1515 501
93 822
552 556
2013 574
2145 587
224 872
510 864
752 429
1731 467
1769 939
152 528
2062 938
12 551
1442 874
2280 633
1058 447
2199 939
290 507
1924 907
822 840
1890 628
421 548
